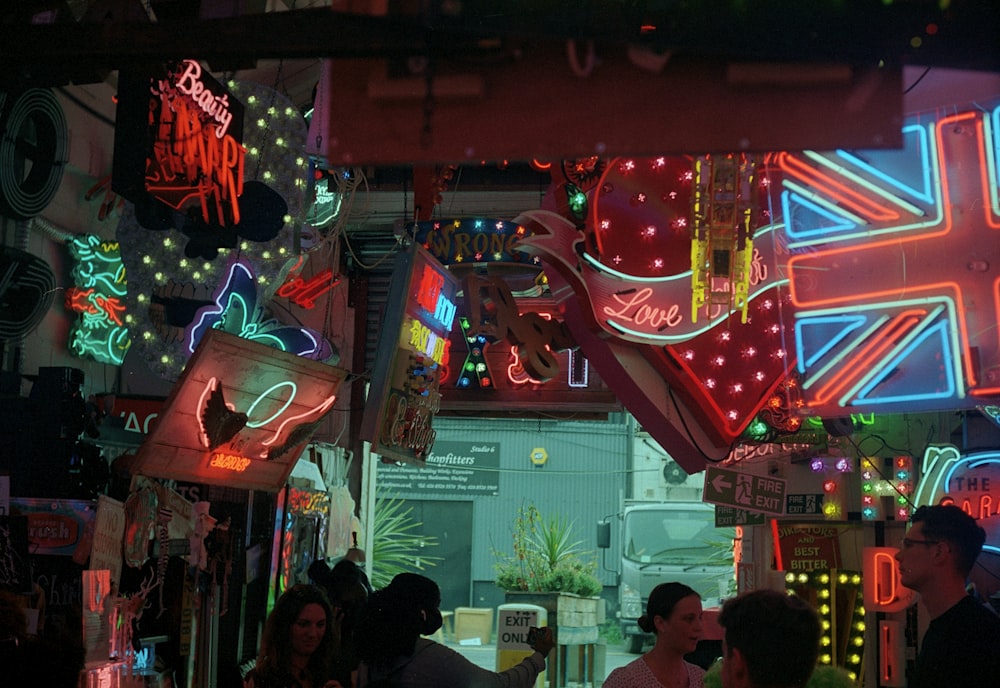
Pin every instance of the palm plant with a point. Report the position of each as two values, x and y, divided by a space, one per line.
397 542
546 557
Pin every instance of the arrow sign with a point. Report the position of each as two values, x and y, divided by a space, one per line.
720 484
744 490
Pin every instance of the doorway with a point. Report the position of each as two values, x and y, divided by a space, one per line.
451 523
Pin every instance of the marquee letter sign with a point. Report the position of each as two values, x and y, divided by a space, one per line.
413 351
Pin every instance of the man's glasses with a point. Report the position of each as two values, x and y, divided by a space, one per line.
908 543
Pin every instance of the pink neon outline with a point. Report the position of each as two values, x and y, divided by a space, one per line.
209 388
321 408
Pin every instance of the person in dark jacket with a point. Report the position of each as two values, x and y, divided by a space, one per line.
961 647
395 655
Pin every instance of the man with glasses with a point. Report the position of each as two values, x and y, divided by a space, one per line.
961 648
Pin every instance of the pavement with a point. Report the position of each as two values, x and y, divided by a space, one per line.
614 656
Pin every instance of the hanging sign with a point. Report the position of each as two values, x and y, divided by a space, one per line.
240 415
412 350
109 530
181 135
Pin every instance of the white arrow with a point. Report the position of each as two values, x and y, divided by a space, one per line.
719 482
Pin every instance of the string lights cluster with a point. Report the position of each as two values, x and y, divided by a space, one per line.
274 138
842 642
833 469
896 488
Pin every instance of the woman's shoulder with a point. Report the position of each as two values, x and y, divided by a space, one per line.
628 674
696 675
694 669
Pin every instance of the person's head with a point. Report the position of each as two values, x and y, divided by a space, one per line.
299 626
418 599
396 616
771 640
942 540
673 613
346 585
348 582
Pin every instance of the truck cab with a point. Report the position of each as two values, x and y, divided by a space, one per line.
671 541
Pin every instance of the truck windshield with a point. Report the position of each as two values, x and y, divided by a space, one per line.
672 537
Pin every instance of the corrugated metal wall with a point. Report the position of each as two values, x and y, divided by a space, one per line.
583 478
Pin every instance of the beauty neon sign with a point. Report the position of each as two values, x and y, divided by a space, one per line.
197 157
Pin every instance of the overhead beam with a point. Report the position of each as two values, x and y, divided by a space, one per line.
858 32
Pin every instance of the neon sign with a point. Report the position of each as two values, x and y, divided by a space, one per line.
236 308
890 328
99 288
722 368
229 462
412 355
240 415
471 240
493 312
305 292
883 591
195 159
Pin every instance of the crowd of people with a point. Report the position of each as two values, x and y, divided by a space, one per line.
339 633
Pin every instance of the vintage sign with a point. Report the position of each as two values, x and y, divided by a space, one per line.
494 368
55 526
744 490
452 468
109 529
413 347
809 548
240 415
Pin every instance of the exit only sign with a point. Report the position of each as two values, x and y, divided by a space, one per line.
745 490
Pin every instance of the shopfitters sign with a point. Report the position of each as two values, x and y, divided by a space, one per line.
454 468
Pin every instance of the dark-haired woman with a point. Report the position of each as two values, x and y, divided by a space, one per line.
673 613
298 640
393 653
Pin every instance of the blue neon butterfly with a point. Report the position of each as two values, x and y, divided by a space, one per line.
235 309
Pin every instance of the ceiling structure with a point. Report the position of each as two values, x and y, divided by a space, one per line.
785 71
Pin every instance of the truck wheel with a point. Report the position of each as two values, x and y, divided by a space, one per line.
635 643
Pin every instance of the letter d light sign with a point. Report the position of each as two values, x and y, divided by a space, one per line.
883 591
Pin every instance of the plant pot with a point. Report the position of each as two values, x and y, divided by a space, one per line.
565 609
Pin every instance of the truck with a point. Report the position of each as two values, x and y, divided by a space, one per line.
667 541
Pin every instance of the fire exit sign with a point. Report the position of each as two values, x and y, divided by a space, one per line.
744 490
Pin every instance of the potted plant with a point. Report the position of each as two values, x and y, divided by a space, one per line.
549 567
